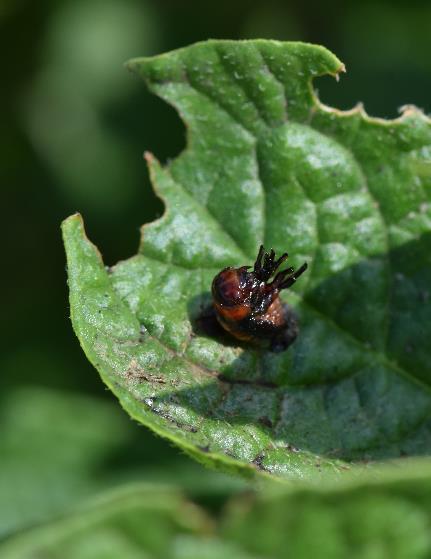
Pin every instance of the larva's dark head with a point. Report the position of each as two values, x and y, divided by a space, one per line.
239 286
231 286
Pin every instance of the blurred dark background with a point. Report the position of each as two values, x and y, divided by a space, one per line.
74 126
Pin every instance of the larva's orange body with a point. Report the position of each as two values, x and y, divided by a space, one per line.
248 306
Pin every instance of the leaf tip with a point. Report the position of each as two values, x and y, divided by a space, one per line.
410 110
72 223
340 70
75 237
132 64
153 167
149 158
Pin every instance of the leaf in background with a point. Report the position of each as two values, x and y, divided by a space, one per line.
266 162
58 448
359 519
132 522
65 110
53 448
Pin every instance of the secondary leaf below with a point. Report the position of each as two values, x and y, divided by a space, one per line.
360 519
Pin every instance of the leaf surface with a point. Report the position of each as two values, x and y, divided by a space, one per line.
267 163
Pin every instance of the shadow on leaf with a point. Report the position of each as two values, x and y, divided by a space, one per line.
354 385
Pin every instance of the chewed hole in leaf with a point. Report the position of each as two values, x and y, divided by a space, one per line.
266 163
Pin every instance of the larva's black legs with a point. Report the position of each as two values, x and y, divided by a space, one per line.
263 271
283 280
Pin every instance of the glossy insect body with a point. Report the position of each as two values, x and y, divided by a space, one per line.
248 305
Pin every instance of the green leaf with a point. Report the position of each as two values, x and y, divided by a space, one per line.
133 522
267 162
54 449
57 449
361 519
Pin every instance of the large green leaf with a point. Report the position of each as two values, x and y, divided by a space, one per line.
267 162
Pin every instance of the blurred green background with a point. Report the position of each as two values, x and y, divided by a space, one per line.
74 126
